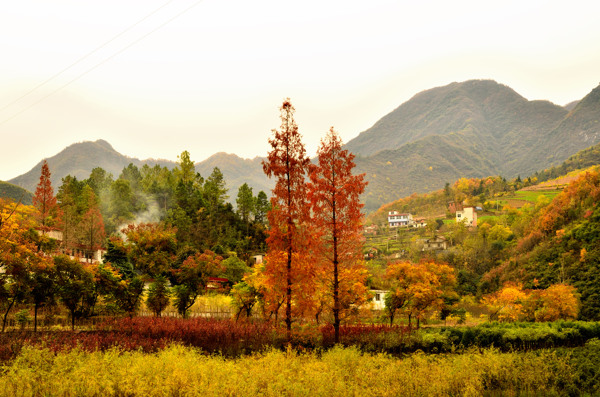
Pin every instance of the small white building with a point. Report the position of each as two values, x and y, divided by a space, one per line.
468 216
378 301
396 219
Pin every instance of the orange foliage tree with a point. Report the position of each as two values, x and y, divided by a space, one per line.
507 303
19 256
557 302
416 288
334 195
48 212
287 163
512 303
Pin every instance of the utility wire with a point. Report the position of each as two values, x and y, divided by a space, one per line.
84 57
98 64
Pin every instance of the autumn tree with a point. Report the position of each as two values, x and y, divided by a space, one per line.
418 287
151 247
48 212
192 277
507 303
19 255
287 163
334 195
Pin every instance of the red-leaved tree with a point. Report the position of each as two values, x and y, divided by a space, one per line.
287 163
48 212
334 194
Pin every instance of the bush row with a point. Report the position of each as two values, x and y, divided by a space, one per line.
233 339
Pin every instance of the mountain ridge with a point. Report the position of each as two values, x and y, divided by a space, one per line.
80 158
475 128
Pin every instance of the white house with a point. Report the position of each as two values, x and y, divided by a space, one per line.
468 215
396 219
378 301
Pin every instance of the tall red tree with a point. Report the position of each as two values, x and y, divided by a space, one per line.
287 163
48 212
334 193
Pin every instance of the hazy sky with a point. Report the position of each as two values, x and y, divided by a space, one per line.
157 77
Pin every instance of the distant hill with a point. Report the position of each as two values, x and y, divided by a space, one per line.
80 159
472 129
571 105
581 160
237 171
15 193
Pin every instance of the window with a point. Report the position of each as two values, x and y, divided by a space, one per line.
377 297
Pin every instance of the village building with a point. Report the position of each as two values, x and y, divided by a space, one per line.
371 230
396 219
468 216
79 252
378 301
419 222
435 243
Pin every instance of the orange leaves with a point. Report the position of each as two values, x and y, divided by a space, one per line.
48 212
559 301
578 196
197 268
416 288
512 303
506 304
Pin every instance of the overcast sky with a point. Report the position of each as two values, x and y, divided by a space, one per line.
157 77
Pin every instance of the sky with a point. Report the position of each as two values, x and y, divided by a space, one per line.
157 77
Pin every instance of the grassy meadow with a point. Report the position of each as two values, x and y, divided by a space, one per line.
186 371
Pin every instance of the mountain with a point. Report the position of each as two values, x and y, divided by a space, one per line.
78 160
475 128
15 193
237 171
81 158
571 105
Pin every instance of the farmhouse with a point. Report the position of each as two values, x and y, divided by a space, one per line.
436 243
378 301
396 219
78 251
468 216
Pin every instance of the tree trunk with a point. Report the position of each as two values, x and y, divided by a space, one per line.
35 312
288 295
6 313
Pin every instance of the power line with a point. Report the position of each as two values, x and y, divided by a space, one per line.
83 57
99 63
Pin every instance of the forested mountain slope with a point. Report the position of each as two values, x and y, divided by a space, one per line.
471 129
